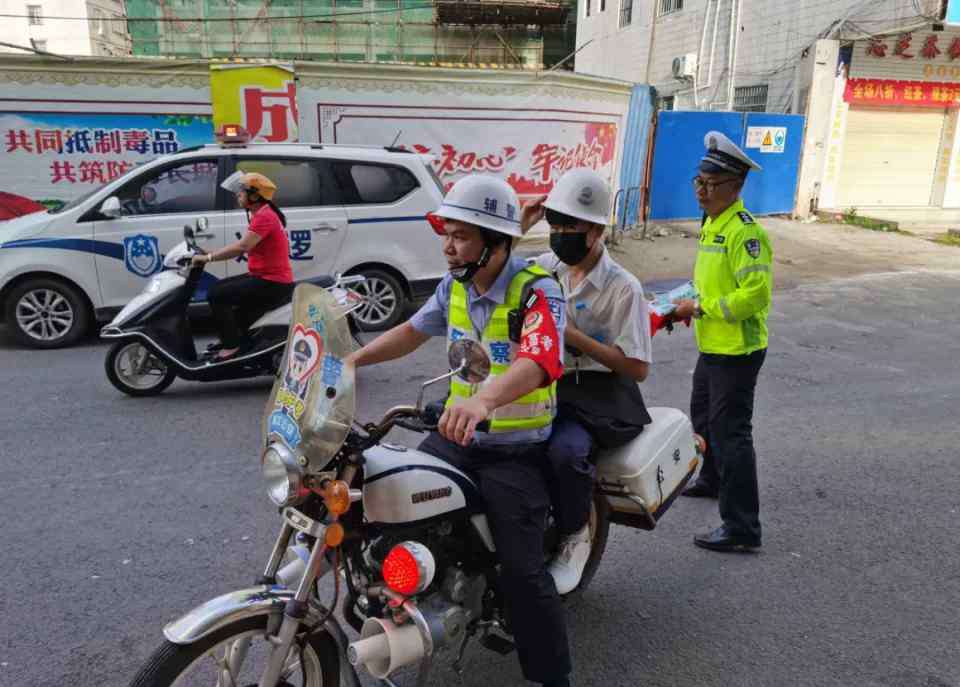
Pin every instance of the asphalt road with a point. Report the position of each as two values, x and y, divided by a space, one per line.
118 514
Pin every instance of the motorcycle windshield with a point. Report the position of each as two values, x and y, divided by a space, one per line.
313 401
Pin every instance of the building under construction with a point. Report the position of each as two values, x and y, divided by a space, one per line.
524 34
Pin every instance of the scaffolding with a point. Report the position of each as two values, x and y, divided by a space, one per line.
524 34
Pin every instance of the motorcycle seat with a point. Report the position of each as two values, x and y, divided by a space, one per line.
324 281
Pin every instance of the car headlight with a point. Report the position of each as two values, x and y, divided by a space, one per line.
283 475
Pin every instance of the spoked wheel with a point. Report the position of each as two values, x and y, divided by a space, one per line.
47 313
236 656
135 371
384 301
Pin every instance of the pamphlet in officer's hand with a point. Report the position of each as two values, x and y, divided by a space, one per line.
663 305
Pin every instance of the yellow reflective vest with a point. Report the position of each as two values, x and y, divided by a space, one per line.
734 278
532 411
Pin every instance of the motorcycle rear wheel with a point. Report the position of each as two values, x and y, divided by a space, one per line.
599 524
174 665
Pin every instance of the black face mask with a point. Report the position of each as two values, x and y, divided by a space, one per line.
466 272
570 248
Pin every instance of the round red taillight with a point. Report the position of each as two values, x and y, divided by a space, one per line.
408 569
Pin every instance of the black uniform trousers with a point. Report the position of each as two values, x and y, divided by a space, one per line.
515 492
721 408
237 302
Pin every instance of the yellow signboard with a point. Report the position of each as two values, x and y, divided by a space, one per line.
260 98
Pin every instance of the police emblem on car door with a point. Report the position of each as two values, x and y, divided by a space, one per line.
141 254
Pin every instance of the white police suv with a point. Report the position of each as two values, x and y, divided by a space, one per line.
350 209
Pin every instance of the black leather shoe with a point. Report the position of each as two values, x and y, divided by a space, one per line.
700 489
722 540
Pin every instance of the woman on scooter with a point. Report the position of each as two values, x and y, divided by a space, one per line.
237 302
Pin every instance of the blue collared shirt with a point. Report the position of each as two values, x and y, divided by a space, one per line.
432 319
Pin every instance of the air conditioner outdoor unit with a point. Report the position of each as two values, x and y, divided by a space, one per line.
685 66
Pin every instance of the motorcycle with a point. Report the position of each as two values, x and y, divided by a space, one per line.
155 344
403 534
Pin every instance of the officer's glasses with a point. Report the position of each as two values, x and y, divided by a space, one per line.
710 186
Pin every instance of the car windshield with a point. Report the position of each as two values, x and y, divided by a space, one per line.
79 200
84 197
312 405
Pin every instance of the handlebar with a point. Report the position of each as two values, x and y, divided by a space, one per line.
408 417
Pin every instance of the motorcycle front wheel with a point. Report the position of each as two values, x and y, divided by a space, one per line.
237 655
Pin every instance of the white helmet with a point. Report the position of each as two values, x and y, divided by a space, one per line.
485 201
581 193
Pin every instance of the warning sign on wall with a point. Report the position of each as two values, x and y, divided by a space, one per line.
769 139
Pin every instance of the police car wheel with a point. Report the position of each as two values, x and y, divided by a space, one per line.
384 301
135 371
46 313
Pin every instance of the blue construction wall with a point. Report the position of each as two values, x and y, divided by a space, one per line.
679 147
634 158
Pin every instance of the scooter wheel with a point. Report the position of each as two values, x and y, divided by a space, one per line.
135 371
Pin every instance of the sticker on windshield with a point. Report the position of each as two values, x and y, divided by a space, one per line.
306 349
332 370
316 318
141 254
283 426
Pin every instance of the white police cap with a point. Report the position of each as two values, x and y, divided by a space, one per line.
723 155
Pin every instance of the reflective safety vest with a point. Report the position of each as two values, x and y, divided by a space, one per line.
532 411
734 279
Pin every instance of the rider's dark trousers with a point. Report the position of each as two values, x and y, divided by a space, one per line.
571 472
237 302
514 489
721 409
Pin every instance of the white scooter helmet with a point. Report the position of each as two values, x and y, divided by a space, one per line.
583 194
486 202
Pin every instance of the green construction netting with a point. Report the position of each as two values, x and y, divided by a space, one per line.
336 31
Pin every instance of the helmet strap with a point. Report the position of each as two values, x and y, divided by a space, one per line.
466 272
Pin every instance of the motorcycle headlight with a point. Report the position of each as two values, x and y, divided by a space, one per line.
283 475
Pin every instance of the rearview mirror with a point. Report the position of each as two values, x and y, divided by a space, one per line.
111 208
471 362
202 224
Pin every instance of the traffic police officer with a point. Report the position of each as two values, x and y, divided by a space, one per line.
607 352
734 281
474 300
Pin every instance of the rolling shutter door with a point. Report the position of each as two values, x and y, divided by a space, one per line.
889 157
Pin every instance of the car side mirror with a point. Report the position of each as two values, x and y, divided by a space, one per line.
111 208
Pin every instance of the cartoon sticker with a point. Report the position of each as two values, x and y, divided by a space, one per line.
306 349
283 426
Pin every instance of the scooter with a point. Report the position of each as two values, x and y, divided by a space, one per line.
402 536
154 341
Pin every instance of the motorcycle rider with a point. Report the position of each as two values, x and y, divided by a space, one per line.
481 299
237 302
608 351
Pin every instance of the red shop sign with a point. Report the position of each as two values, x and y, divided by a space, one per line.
887 92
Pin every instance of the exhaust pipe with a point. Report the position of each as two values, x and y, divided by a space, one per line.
384 647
